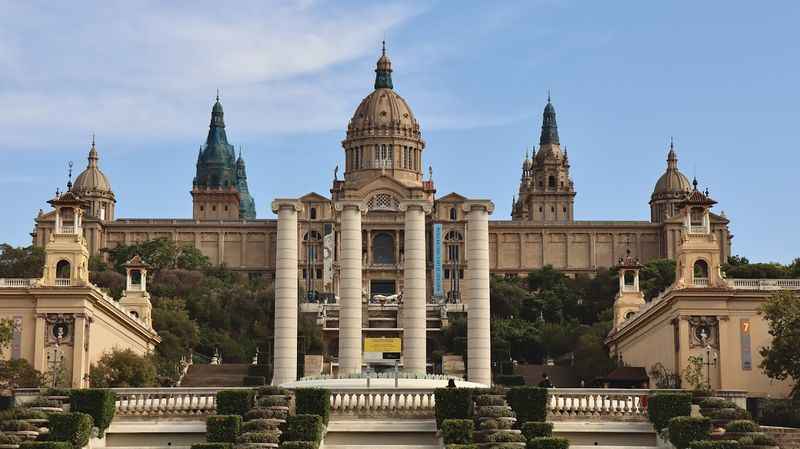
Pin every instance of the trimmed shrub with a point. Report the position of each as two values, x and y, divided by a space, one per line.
212 446
729 413
717 403
223 428
97 403
685 429
9 439
45 445
493 411
260 425
741 426
26 413
548 443
779 412
44 402
505 437
535 429
73 427
266 413
453 403
716 444
457 431
303 428
234 402
269 390
662 407
762 439
299 445
254 381
259 437
313 401
269 401
486 399
510 380
16 426
461 446
529 403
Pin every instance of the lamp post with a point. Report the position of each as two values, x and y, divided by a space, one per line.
56 360
711 357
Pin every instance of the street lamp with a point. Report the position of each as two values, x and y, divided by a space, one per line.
56 360
711 357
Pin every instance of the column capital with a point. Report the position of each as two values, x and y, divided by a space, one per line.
280 203
345 204
469 205
425 205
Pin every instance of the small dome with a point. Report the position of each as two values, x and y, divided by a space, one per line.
672 181
91 179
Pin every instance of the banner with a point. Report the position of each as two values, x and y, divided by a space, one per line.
328 247
382 344
747 356
437 260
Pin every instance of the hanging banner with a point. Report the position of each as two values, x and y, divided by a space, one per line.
747 356
437 260
328 246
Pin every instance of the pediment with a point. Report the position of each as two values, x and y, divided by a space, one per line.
384 184
314 197
451 197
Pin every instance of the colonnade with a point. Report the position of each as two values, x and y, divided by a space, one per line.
414 291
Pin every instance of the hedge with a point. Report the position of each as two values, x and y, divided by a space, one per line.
16 425
234 402
45 445
254 381
98 403
223 428
461 446
313 401
260 425
717 403
662 407
537 429
529 403
685 429
495 424
494 411
458 431
260 370
504 437
303 428
9 439
212 446
548 443
299 445
272 436
510 380
269 390
269 401
266 413
716 444
488 399
741 426
453 403
729 413
74 427
778 412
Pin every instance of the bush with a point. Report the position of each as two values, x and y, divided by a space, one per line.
123 369
534 429
486 399
9 439
303 428
548 443
45 445
223 428
741 426
779 412
259 437
313 401
299 445
662 407
762 439
493 411
254 381
16 426
266 413
269 390
510 380
504 437
97 403
716 444
495 424
74 427
461 446
212 446
453 403
729 413
685 429
26 413
234 402
270 401
717 403
529 403
457 431
260 425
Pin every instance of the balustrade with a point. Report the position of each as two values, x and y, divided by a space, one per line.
700 282
15 283
165 401
63 282
382 401
764 284
598 402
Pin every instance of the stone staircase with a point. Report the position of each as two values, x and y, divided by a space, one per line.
229 375
381 434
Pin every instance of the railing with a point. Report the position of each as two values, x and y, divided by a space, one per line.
166 401
67 230
698 230
383 401
764 284
598 402
16 283
700 282
63 282
629 288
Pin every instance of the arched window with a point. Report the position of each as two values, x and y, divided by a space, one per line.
63 270
383 248
629 278
701 269
313 213
551 182
453 213
136 277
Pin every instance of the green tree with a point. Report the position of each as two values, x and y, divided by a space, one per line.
18 373
545 278
506 298
123 369
656 276
23 262
6 332
781 360
160 254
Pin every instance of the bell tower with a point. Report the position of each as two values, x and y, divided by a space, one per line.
66 254
629 299
135 298
699 260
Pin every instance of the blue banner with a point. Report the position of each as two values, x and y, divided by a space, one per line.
437 260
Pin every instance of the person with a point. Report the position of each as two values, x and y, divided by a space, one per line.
451 383
545 383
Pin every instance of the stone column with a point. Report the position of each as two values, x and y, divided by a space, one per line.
477 289
285 352
350 288
414 316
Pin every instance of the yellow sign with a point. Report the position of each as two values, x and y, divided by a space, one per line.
382 345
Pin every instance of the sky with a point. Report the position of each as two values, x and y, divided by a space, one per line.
721 77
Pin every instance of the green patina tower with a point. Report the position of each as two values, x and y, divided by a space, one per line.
219 189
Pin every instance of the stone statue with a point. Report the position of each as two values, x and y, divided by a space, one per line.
336 173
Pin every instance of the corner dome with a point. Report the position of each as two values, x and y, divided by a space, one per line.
672 181
91 180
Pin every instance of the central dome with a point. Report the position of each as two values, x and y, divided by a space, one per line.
672 181
91 180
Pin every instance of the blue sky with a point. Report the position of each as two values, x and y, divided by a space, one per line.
720 76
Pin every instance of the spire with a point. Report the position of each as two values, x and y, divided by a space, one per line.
549 127
216 129
69 177
672 157
383 71
694 183
93 154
